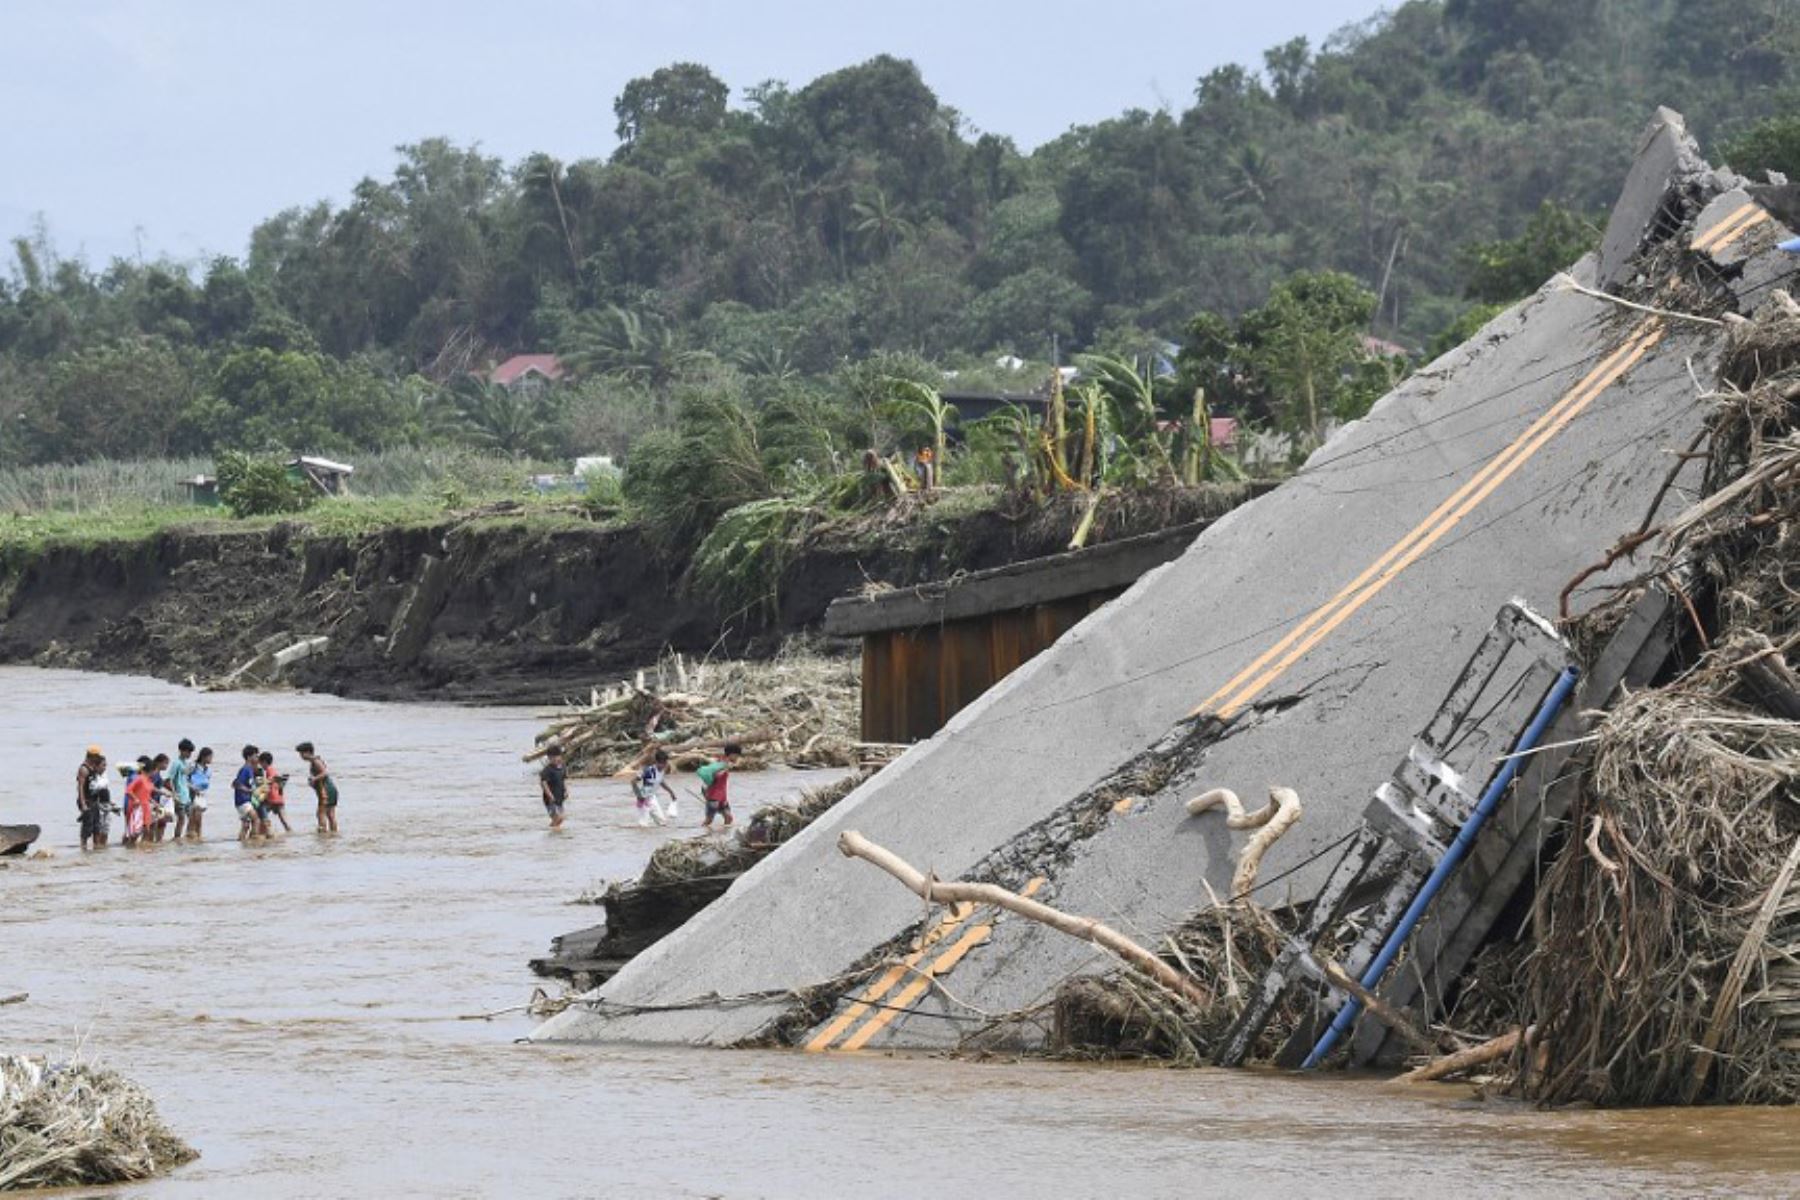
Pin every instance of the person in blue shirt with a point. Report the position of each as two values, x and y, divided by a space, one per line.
199 782
243 795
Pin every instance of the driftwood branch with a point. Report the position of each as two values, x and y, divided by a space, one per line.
1462 1060
1270 822
1380 1009
931 889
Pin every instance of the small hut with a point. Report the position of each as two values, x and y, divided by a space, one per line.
331 478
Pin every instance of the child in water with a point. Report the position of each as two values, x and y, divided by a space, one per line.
274 793
553 785
139 792
199 781
243 795
162 798
323 786
181 786
714 777
653 776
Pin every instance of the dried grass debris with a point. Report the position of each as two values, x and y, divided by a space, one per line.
77 1125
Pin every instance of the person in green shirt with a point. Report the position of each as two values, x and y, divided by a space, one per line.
714 777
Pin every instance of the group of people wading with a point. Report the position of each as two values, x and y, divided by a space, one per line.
165 800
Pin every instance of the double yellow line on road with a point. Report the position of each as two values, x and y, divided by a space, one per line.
1269 666
1739 221
873 1008
874 998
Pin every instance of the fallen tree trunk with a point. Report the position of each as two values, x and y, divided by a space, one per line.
931 889
1462 1060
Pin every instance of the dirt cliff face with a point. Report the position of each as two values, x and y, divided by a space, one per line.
485 611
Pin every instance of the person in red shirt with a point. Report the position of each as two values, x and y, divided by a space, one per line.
275 796
140 790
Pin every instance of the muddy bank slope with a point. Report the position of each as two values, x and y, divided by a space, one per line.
500 608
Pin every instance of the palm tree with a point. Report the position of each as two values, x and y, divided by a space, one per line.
629 345
766 361
541 178
878 221
518 422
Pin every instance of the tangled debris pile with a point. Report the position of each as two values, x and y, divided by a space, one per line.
681 878
74 1125
800 709
1664 969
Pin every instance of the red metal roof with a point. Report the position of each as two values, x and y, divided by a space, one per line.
521 365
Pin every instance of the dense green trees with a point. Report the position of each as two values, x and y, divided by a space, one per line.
1433 158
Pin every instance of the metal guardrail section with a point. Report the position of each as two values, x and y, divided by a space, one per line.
1409 824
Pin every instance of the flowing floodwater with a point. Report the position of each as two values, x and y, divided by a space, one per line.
296 1009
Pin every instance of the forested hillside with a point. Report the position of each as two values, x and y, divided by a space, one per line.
752 242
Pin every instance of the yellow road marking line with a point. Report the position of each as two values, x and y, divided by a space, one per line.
1720 244
1726 228
921 980
1400 547
1721 237
891 977
1249 691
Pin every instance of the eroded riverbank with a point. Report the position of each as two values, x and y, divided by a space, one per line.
294 1009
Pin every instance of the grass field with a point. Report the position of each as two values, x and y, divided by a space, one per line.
106 501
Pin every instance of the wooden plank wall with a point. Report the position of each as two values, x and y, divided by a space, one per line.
915 680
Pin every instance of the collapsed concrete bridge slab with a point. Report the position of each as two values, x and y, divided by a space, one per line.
1313 631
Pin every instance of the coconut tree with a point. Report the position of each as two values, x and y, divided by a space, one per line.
876 220
520 422
629 345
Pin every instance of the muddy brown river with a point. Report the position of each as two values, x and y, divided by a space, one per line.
297 1011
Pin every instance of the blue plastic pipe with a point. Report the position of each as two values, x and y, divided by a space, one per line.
1792 245
1459 849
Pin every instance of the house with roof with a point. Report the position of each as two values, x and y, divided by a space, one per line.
528 370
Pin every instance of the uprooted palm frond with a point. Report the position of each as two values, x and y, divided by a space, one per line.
740 564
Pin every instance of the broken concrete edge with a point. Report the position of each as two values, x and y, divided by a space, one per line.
1667 159
411 626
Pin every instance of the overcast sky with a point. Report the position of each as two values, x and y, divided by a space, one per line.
175 126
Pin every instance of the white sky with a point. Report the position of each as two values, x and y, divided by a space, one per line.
175 126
